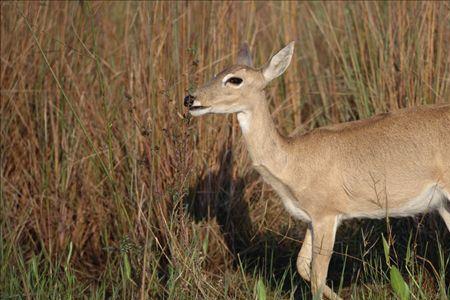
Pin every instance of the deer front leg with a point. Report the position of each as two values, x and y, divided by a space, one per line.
305 256
323 235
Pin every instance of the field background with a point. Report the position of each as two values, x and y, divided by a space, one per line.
109 189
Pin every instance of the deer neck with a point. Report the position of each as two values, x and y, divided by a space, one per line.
266 146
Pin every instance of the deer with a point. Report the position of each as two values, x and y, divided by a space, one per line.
394 164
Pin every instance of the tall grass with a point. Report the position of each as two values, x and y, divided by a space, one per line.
110 190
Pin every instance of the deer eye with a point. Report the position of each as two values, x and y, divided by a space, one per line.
234 80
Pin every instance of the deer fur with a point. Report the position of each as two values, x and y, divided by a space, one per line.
393 164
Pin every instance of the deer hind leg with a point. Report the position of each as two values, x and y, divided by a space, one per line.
323 235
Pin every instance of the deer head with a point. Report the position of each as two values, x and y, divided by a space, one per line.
234 89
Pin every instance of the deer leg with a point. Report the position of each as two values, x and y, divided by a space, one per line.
323 235
305 256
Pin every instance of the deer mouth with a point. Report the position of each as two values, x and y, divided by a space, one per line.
199 110
198 107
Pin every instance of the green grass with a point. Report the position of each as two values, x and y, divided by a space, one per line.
110 190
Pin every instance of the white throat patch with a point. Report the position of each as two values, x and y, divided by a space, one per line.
244 119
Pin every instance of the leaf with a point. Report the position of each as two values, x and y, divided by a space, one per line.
261 289
127 266
408 251
398 284
69 256
205 244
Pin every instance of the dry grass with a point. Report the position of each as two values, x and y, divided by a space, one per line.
108 189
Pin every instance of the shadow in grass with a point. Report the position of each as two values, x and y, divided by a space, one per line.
360 240
218 195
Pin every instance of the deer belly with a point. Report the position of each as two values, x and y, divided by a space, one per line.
429 199
289 201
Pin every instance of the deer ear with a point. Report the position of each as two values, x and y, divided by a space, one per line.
278 63
244 56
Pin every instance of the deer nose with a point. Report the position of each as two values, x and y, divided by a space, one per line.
188 100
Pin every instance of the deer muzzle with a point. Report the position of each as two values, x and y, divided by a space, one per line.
189 100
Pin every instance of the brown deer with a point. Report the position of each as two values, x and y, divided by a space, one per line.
393 164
